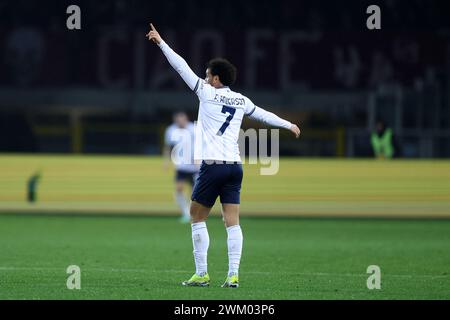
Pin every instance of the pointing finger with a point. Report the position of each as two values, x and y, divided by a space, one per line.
151 26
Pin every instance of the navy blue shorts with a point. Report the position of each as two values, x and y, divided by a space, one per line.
218 179
187 176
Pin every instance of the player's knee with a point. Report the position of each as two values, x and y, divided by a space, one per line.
230 221
198 215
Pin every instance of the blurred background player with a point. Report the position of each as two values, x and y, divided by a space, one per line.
178 147
382 141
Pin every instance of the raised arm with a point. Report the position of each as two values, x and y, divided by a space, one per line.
177 62
273 120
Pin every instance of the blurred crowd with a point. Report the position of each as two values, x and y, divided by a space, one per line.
304 14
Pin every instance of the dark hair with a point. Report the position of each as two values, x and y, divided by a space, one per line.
224 69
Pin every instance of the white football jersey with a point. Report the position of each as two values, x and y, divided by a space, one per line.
219 121
220 114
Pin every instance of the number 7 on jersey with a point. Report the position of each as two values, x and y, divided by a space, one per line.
231 111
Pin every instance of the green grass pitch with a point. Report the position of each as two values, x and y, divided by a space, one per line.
291 258
310 232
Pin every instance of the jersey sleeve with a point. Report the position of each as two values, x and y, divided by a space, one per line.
250 107
180 65
269 118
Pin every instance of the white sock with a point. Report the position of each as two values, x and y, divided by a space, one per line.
234 242
183 203
200 240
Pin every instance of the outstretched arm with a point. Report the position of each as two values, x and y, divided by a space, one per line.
177 62
273 120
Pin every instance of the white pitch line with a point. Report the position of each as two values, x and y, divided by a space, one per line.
320 274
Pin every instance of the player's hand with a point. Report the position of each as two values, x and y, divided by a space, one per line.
295 130
153 35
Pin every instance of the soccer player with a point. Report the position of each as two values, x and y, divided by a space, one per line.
180 135
220 115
